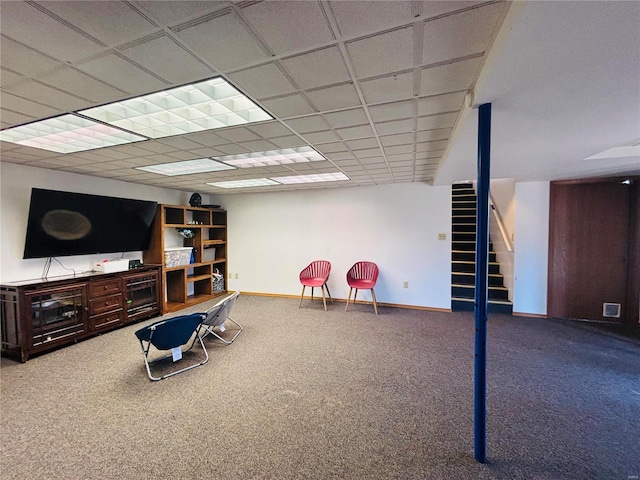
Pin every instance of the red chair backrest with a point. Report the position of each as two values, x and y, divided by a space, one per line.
363 271
317 269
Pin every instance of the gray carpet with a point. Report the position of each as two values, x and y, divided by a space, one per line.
309 394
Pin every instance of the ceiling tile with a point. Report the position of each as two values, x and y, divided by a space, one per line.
312 123
86 86
287 142
384 53
368 153
333 147
362 143
342 157
10 119
432 135
431 146
263 81
347 118
349 133
258 145
48 96
459 35
207 138
237 134
399 149
26 107
25 60
173 13
213 39
289 106
290 25
392 111
440 103
395 126
231 149
389 88
30 26
316 69
124 23
334 98
399 139
269 129
122 74
448 78
437 121
360 17
170 61
321 137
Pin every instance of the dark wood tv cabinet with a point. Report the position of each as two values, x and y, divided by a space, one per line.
39 315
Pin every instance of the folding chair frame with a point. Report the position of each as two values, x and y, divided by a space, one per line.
208 326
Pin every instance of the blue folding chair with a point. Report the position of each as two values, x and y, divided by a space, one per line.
171 334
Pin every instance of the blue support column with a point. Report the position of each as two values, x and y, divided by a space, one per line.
482 270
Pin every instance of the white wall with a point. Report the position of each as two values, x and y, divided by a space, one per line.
273 236
531 247
15 193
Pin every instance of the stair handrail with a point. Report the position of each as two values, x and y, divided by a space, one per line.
503 230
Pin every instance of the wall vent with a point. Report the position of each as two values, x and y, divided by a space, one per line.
611 310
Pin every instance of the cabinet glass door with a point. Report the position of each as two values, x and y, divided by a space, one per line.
142 295
56 313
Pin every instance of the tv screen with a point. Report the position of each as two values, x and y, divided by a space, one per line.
65 223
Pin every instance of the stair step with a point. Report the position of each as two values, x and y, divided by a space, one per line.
468 291
493 306
470 267
469 212
464 228
467 278
470 256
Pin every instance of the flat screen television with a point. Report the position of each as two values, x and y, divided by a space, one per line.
66 223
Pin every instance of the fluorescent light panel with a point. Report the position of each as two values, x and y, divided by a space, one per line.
254 182
192 108
186 167
273 157
316 177
67 134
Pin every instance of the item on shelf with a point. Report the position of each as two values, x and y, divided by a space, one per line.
174 257
195 200
186 232
111 266
210 206
218 281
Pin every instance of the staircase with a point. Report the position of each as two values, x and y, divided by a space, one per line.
463 257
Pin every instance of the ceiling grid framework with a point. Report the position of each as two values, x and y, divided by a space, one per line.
375 87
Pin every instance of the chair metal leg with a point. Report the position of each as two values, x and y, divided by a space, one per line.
209 330
311 294
301 296
145 352
375 305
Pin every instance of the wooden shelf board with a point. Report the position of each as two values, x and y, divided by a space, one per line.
195 278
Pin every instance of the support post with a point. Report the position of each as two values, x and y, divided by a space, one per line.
482 266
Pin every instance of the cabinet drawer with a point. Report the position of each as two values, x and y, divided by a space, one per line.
105 287
107 320
106 304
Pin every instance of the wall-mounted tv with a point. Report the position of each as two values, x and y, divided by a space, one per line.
66 223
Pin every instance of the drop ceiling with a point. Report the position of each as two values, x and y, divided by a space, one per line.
377 87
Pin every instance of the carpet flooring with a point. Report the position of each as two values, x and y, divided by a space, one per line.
309 394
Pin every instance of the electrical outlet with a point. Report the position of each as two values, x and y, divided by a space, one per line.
405 285
236 276
442 236
230 275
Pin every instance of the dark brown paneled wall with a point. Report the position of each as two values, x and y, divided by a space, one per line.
593 243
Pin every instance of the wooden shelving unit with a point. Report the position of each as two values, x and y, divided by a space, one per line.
192 282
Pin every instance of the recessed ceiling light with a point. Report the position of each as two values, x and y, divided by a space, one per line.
67 134
316 177
273 157
186 167
254 182
191 108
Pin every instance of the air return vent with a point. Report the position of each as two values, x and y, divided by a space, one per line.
611 310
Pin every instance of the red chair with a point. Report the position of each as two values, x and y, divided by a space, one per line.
362 276
316 275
